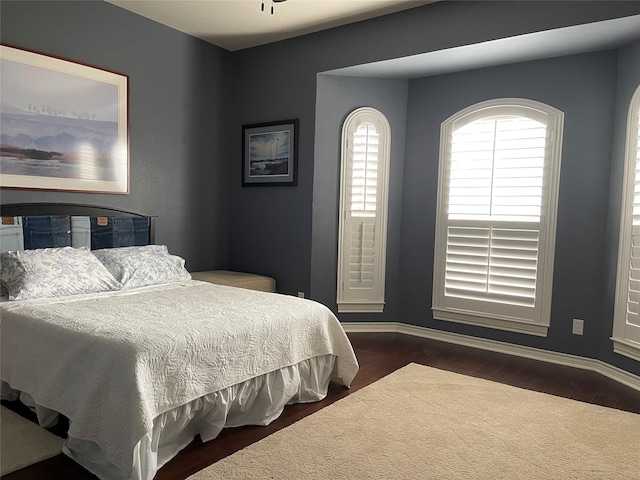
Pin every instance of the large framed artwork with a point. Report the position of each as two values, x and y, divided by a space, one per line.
270 153
63 125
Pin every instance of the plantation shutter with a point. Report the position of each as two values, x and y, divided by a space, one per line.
364 171
496 179
362 235
626 318
631 329
495 230
492 264
364 181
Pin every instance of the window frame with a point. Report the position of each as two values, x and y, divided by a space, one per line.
352 300
494 315
622 343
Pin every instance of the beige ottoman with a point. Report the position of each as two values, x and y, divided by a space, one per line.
237 279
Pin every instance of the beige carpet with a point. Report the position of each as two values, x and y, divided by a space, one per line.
424 423
24 443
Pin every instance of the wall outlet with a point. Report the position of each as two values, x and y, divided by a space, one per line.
301 294
578 326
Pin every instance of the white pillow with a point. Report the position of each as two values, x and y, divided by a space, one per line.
53 272
144 265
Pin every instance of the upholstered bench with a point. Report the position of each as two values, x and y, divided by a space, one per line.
237 279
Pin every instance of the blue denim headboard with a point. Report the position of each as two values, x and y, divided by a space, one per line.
85 227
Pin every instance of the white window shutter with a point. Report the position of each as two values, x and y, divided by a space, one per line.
496 174
362 255
495 227
633 297
364 171
626 323
363 207
492 264
496 169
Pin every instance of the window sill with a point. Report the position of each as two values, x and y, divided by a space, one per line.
496 322
360 307
626 348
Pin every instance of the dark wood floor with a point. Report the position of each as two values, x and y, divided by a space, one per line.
379 355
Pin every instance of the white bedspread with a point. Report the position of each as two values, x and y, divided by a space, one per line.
112 362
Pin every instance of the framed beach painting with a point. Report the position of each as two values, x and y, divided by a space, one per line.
270 153
63 125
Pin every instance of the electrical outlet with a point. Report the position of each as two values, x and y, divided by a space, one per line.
301 294
578 326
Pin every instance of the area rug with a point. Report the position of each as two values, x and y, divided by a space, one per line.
421 422
24 443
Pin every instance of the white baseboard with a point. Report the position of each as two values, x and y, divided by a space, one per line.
615 373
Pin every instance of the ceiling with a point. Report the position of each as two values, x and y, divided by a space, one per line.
238 24
588 37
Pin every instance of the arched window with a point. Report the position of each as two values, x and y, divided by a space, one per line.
363 211
496 217
626 323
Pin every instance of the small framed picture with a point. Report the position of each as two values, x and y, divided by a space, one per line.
270 153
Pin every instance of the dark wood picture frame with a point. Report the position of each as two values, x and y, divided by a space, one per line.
270 153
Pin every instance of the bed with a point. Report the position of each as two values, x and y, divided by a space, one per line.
141 369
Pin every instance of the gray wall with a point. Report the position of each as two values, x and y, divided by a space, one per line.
271 227
178 117
336 98
583 87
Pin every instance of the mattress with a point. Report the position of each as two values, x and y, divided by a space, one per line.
115 362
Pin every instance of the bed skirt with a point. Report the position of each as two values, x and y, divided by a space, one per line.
257 401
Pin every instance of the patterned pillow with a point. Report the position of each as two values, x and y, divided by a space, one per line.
144 265
53 272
